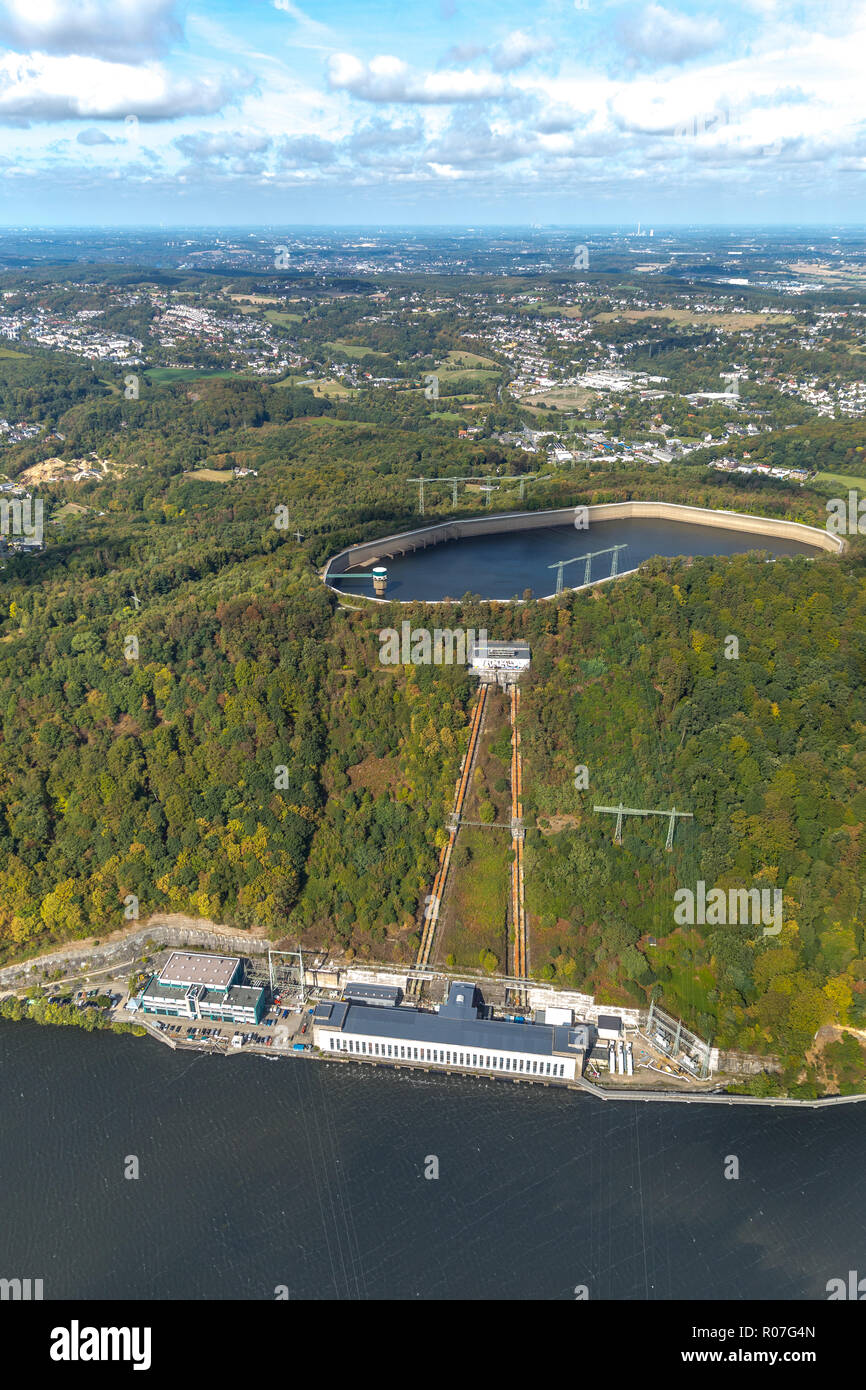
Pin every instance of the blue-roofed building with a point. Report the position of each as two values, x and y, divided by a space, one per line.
457 1037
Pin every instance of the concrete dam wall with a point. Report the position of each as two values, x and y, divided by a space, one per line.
386 547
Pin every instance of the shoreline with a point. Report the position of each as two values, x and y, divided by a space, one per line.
136 1028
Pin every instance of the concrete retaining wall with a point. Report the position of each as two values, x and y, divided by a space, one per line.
85 957
386 547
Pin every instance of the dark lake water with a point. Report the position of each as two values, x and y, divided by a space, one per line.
258 1172
502 566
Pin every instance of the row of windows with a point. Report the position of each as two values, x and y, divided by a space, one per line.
231 1016
452 1057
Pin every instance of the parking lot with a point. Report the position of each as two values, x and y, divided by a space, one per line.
279 1031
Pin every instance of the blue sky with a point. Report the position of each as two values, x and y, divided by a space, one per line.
575 112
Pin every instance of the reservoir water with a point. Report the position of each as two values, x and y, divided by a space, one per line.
257 1172
502 566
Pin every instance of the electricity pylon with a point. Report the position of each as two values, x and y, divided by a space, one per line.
559 565
620 811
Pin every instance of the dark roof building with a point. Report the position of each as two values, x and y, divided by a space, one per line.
609 1026
387 996
456 1036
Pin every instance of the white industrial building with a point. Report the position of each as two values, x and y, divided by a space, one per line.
504 662
458 1036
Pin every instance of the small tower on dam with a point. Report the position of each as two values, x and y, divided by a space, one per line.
499 663
380 581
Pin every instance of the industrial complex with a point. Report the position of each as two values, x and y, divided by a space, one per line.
418 1017
459 1035
356 1014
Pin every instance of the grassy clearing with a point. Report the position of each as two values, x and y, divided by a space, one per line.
8 352
731 323
282 318
476 374
211 475
475 912
563 397
841 479
458 358
691 979
475 915
320 386
350 350
157 375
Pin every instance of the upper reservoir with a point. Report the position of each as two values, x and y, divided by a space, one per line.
499 557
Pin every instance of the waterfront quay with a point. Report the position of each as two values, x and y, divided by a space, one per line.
275 1004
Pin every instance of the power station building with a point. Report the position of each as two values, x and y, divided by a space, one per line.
457 1037
202 987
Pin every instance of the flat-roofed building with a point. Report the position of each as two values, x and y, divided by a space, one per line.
457 1037
499 661
382 996
194 968
202 987
609 1027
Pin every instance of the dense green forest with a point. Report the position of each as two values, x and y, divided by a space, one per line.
255 764
766 749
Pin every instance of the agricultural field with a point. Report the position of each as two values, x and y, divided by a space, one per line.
320 386
729 323
350 350
211 475
282 317
563 397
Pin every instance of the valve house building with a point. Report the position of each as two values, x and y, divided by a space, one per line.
498 662
457 1037
202 987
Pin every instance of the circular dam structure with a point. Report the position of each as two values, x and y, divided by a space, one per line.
502 556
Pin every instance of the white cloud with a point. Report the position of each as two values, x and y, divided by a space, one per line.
306 151
120 29
517 49
389 79
45 88
222 144
92 136
295 12
661 36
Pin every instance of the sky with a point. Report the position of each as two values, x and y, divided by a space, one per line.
452 112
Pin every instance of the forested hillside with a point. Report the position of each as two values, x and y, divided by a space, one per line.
255 764
767 750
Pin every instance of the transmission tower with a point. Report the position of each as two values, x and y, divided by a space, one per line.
620 811
559 565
